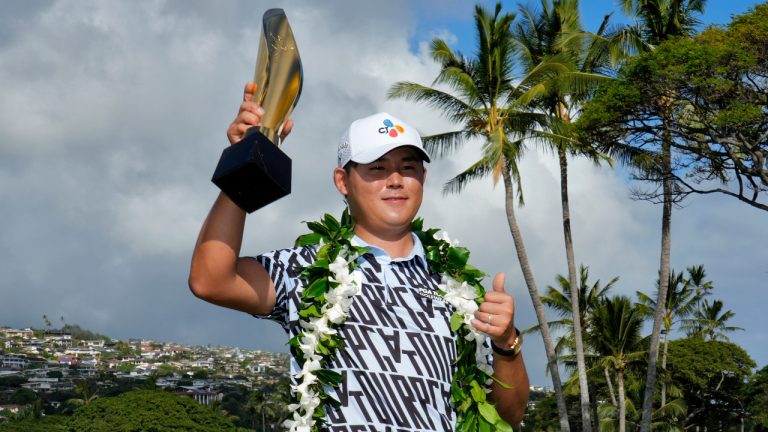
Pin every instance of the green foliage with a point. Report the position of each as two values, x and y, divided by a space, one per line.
147 410
664 19
706 96
542 416
710 321
331 238
52 423
23 396
80 333
485 99
201 374
124 350
711 375
165 370
756 395
664 418
12 381
616 339
616 336
558 299
266 408
681 300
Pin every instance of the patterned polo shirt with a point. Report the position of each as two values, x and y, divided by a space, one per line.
399 349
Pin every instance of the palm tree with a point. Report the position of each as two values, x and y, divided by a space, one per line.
554 32
487 105
256 406
665 418
681 301
656 22
616 338
218 407
710 322
269 405
561 301
696 278
659 20
87 390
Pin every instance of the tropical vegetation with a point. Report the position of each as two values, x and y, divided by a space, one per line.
685 113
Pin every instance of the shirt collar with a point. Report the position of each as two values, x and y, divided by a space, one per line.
382 256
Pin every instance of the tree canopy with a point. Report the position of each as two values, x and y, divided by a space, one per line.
709 96
756 394
147 410
53 423
712 375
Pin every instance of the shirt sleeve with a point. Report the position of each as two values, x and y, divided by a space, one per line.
284 267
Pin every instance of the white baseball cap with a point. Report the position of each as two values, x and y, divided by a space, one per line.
370 138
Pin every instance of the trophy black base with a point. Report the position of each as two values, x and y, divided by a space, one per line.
253 172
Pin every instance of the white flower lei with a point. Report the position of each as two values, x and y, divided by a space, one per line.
336 311
325 306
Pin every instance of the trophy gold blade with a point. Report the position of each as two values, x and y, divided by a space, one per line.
278 75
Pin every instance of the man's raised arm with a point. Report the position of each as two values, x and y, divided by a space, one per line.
218 274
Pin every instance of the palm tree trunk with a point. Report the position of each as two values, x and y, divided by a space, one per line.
572 280
610 387
593 402
622 406
537 305
664 367
666 240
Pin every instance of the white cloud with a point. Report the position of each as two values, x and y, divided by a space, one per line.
164 220
446 35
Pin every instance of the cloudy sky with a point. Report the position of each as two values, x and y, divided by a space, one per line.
113 116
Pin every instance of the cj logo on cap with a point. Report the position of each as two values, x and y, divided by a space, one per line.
391 128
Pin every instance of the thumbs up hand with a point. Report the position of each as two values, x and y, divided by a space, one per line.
496 315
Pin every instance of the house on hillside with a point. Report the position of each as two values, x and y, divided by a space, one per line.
83 352
58 338
14 361
42 384
26 333
202 396
98 343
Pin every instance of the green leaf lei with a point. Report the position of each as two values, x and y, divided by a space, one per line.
325 277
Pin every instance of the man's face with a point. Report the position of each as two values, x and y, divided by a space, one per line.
385 195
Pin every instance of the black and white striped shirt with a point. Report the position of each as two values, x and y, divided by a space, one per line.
399 351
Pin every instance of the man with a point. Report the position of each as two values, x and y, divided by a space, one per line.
399 350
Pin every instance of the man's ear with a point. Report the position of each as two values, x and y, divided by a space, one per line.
340 180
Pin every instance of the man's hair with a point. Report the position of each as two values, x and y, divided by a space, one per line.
348 167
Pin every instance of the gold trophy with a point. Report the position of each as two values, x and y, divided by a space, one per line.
255 172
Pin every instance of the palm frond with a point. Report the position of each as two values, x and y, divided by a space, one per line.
451 106
446 143
442 53
477 171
